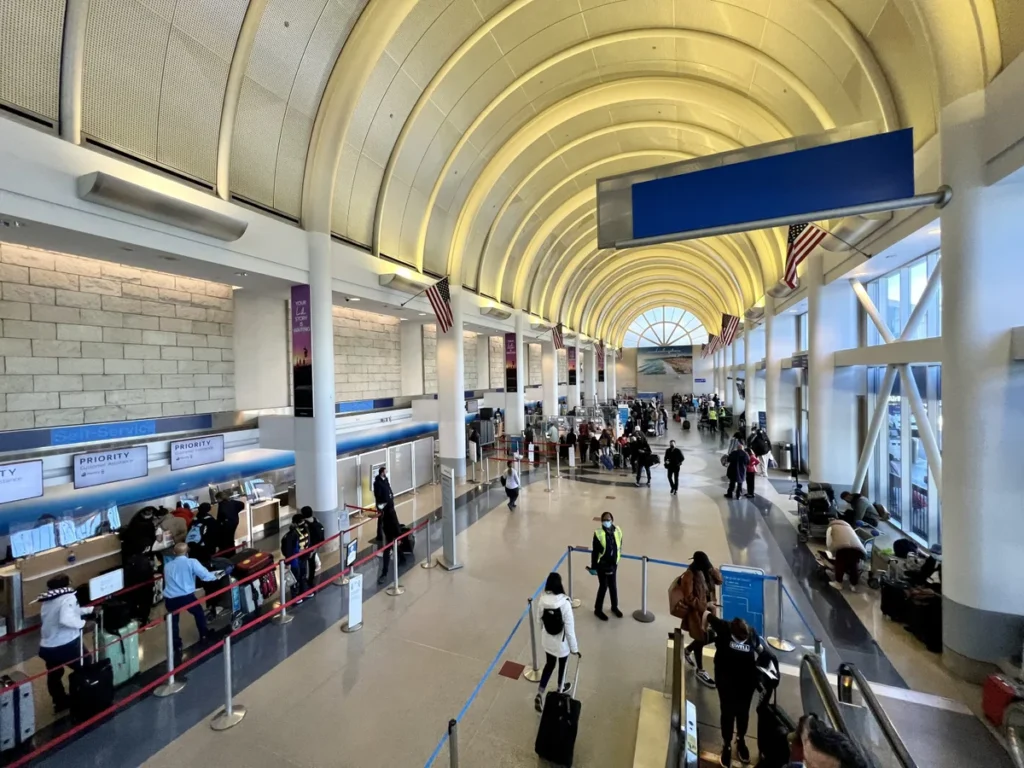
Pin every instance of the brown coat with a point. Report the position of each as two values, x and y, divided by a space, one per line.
689 596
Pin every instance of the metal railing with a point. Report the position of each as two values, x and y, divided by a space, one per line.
676 735
849 676
1013 722
817 696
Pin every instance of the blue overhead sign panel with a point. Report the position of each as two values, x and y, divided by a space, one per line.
865 170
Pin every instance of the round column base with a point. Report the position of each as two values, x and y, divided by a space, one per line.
575 602
428 563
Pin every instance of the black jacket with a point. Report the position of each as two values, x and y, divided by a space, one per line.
227 519
316 531
389 523
736 662
673 458
738 460
382 490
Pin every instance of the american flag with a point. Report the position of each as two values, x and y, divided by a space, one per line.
803 238
440 297
730 327
709 348
556 336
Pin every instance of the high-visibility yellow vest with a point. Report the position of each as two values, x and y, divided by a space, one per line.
601 534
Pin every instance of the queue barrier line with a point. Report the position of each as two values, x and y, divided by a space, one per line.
490 667
151 686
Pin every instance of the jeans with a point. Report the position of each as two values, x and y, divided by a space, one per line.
54 658
673 478
513 496
735 710
196 609
606 583
549 667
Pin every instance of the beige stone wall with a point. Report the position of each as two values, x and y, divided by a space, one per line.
83 340
367 355
430 359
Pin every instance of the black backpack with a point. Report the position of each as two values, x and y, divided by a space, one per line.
551 618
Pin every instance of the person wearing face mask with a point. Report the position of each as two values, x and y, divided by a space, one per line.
606 551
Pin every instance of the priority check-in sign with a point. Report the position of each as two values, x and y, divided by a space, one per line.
112 466
197 451
23 480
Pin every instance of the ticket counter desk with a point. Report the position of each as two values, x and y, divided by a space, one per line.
25 579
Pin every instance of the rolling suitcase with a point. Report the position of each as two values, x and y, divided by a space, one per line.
559 723
122 650
606 462
91 688
997 694
408 544
774 727
17 711
686 423
924 618
894 599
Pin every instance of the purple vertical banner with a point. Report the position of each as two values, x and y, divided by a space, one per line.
302 352
570 359
511 363
600 363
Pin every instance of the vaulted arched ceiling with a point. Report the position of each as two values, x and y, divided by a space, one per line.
464 137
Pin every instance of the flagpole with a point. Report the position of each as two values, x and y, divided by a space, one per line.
417 294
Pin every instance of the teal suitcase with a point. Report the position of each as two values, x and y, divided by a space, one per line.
123 651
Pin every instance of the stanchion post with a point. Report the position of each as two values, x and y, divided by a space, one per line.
779 642
643 615
547 468
172 686
231 714
453 743
283 617
819 651
572 600
533 673
395 589
429 561
487 470
558 462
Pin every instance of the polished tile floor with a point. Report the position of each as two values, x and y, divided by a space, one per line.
383 696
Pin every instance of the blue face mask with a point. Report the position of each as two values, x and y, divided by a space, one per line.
607 524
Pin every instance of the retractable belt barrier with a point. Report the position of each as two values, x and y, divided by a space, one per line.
230 714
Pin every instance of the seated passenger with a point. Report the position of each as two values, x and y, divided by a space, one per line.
846 547
860 507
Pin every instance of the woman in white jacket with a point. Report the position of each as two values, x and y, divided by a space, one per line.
60 633
557 632
845 545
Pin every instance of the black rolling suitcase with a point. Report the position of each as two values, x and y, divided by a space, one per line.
924 618
774 727
407 545
559 723
91 688
895 601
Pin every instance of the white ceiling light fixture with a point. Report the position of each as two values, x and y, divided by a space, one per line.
496 312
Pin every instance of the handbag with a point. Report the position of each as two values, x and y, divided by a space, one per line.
503 480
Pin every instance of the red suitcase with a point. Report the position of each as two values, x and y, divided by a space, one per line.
250 561
997 694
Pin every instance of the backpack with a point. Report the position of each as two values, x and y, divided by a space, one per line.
194 535
551 618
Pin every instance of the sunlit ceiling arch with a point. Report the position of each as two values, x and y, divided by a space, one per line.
666 326
744 259
654 279
740 110
613 322
582 288
736 48
634 300
700 138
670 266
587 235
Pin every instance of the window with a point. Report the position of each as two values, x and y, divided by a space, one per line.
665 327
802 334
897 294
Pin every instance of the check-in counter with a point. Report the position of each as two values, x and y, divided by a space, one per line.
264 516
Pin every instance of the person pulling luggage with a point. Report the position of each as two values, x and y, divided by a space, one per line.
606 551
60 635
739 651
316 536
180 574
292 543
673 462
558 635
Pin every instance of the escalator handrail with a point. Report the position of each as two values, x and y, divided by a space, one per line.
892 737
812 662
675 740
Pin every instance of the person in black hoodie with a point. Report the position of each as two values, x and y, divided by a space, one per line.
641 453
203 536
228 510
739 651
391 529
316 536
737 472
382 498
673 461
139 535
292 543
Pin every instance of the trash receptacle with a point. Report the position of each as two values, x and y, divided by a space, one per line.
783 456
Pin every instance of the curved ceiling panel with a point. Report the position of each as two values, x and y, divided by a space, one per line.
30 47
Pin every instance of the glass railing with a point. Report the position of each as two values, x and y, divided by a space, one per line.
868 722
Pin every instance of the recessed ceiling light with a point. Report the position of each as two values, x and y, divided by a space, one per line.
242 274
354 298
236 287
423 314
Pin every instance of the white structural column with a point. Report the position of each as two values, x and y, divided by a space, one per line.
982 390
549 377
316 450
602 386
726 378
515 401
719 386
832 393
483 362
780 386
573 390
451 389
611 364
734 373
411 351
749 380
590 380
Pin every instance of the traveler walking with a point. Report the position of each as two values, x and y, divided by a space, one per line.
690 597
558 635
180 576
511 482
713 419
60 634
738 653
842 541
606 551
737 472
673 461
641 455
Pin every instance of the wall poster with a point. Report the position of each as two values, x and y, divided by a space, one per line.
302 352
511 363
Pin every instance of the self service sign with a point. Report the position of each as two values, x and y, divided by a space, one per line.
197 451
110 466
23 480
